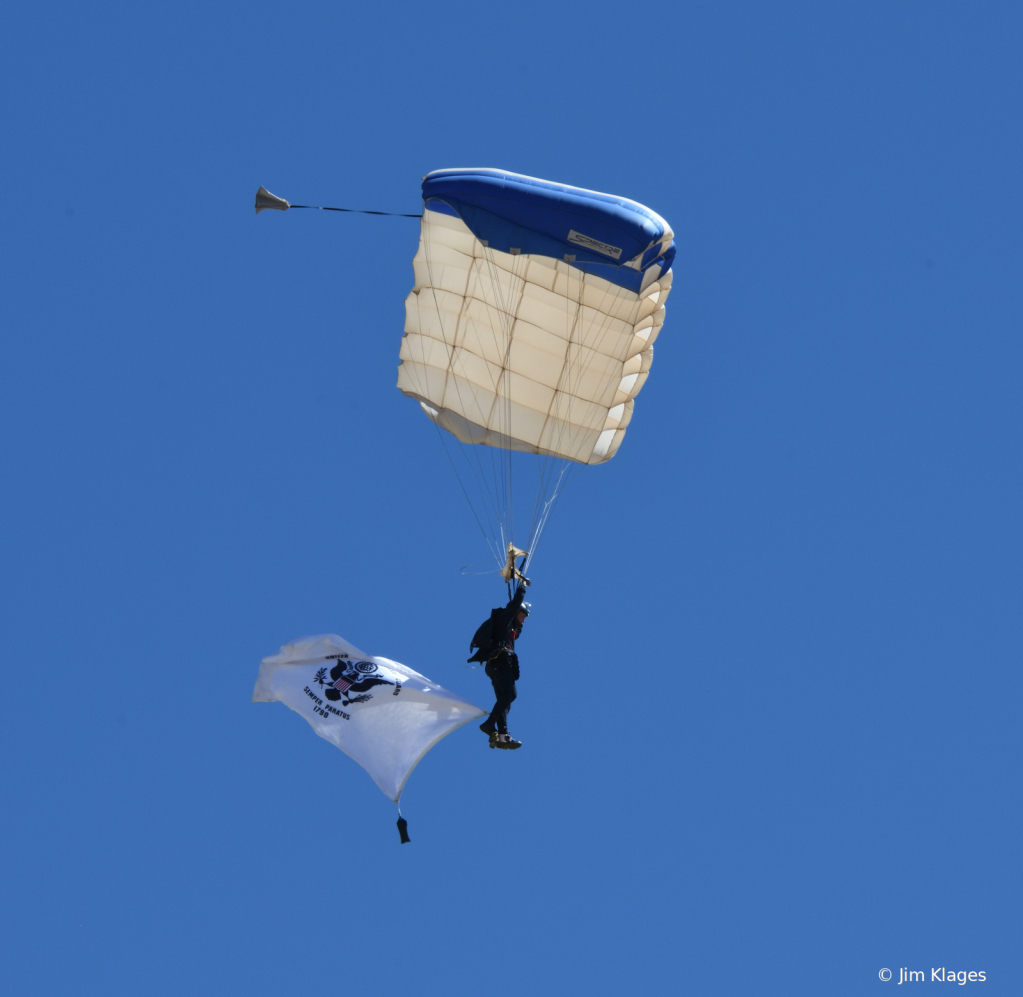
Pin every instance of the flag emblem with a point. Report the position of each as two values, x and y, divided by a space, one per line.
348 677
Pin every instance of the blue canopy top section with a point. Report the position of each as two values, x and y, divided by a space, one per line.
514 213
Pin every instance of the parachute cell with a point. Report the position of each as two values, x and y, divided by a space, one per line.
534 312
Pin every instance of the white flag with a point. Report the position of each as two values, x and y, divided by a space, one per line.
380 713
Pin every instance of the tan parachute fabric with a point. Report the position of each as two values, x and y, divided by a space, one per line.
525 352
509 571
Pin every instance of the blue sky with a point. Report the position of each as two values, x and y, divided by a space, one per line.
770 697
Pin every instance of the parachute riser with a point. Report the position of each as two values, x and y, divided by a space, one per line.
519 575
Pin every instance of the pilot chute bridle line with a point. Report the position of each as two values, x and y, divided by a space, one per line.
267 201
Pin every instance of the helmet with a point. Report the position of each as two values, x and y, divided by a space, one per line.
525 607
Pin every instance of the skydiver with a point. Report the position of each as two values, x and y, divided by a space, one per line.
496 642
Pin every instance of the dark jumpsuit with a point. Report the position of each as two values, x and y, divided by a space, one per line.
503 663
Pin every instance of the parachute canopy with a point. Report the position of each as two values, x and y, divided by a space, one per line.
534 312
380 713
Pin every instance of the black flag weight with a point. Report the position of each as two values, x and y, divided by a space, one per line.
403 831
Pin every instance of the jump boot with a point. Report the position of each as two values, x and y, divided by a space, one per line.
490 730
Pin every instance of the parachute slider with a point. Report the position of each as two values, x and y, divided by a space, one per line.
264 200
509 571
